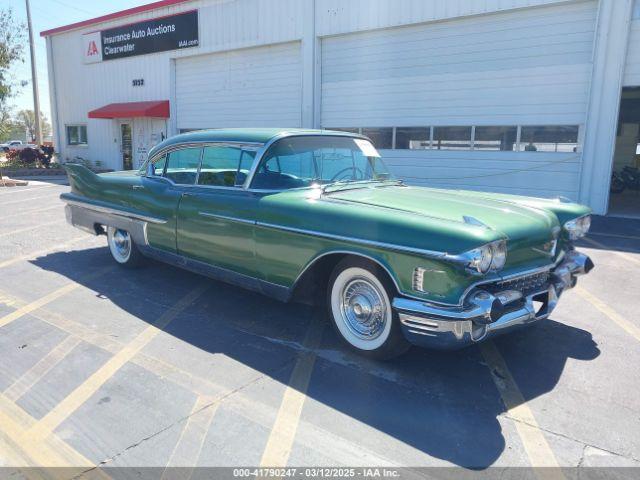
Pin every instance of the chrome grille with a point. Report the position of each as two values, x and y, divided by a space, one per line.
527 285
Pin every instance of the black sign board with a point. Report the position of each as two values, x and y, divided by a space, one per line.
151 36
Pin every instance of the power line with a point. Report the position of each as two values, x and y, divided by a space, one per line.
75 7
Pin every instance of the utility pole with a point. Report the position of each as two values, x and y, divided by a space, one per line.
34 78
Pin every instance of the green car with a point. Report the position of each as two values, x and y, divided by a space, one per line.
307 214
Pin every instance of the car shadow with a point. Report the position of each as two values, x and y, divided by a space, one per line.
444 404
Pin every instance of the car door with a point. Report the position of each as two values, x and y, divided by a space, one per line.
216 217
158 193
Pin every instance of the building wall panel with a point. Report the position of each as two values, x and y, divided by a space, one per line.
82 87
340 16
522 67
519 173
258 87
525 67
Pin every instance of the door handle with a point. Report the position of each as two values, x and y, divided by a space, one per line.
137 187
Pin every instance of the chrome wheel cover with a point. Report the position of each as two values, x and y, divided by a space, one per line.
364 309
120 244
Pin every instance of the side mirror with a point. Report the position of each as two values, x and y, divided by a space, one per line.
151 169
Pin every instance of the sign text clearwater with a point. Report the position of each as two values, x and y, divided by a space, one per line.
151 36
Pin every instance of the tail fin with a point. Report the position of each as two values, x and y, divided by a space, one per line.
82 180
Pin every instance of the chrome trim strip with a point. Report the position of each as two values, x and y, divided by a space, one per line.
357 254
113 211
369 243
225 217
205 143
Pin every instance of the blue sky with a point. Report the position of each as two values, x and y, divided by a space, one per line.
46 14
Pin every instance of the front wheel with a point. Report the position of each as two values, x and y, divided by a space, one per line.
123 248
359 301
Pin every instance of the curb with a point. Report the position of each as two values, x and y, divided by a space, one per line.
9 182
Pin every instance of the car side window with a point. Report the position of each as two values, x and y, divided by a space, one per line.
157 166
182 165
221 167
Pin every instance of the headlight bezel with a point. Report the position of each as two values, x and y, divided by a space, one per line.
490 257
578 227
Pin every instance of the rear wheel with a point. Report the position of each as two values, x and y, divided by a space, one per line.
359 301
123 248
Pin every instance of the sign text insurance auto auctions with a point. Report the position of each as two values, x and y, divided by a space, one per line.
151 36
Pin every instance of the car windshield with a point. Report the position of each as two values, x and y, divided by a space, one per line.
304 161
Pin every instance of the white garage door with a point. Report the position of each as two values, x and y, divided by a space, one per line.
632 68
515 69
257 87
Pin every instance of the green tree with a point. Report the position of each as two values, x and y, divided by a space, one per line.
12 131
26 119
12 42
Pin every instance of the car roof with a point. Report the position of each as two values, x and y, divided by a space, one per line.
243 135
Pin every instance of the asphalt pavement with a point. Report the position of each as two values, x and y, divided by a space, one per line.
159 367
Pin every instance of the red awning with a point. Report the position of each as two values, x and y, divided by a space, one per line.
158 109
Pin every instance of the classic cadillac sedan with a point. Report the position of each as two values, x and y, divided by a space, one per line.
302 214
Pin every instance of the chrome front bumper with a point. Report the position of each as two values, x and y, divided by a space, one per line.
487 313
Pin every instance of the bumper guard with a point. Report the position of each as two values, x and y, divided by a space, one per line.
486 314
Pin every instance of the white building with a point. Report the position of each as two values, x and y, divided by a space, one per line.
517 96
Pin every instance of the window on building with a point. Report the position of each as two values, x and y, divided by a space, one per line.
223 166
452 138
413 138
76 134
495 138
559 138
381 138
182 165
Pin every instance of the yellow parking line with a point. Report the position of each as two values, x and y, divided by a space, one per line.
187 450
10 301
14 424
37 210
83 392
41 368
535 444
280 442
35 227
610 313
62 291
602 246
29 256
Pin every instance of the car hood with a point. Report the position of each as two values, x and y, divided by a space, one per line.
513 220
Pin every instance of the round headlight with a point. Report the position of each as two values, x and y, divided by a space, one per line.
499 250
481 258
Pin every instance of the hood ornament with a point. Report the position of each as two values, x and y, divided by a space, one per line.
474 221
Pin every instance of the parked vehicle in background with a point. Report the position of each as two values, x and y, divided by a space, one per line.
17 145
631 177
617 183
285 212
11 145
627 178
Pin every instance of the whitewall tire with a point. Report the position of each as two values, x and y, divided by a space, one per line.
122 247
359 300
